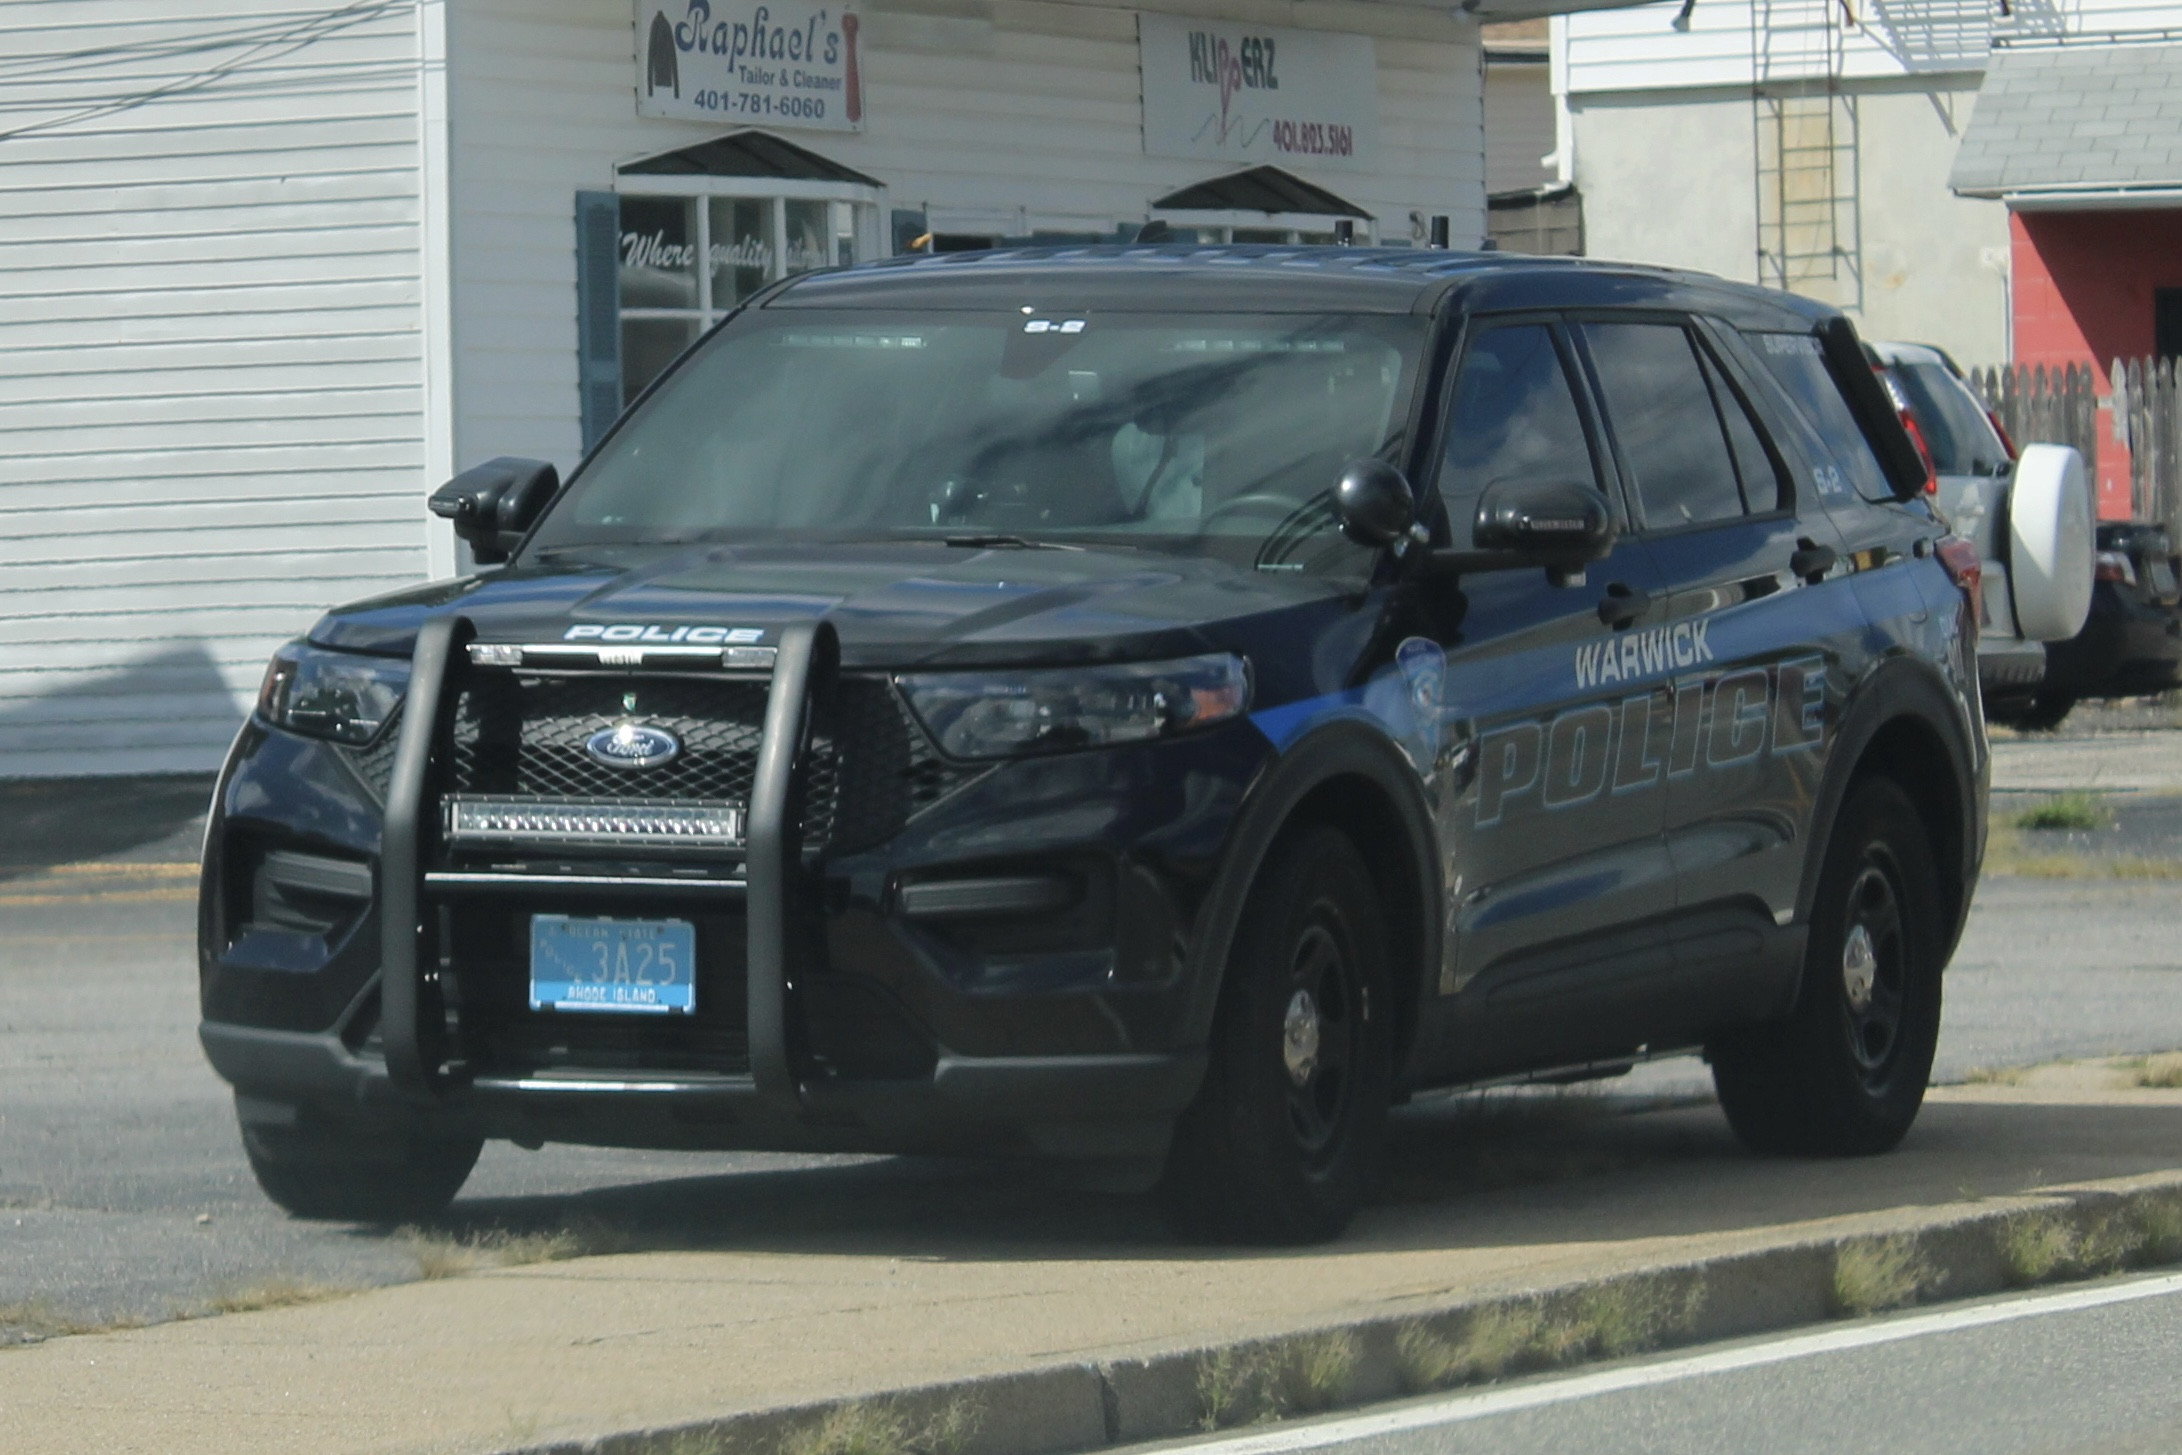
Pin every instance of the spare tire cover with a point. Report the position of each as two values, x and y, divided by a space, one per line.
2050 543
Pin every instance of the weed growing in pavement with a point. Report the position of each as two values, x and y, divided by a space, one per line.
1317 1375
442 1254
1231 1386
1621 1318
279 1291
1424 1361
2067 811
2036 1247
1998 1075
2161 1224
873 1427
2164 1071
1627 1318
1872 1277
33 1320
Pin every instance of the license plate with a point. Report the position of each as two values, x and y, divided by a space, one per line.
628 966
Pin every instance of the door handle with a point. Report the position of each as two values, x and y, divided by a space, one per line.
1623 604
1811 560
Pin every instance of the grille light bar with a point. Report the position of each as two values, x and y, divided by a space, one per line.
620 823
512 654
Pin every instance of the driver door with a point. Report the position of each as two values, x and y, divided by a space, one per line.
1556 710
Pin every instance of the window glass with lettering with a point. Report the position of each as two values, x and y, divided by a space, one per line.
1798 365
1514 418
1661 411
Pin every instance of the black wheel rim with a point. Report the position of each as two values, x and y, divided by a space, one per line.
1874 975
1318 1034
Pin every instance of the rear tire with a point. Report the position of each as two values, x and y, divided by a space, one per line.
1283 1141
1844 1074
328 1170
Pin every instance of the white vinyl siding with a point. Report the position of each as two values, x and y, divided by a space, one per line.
210 377
1025 118
1640 49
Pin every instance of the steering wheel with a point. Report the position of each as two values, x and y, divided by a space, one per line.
1263 500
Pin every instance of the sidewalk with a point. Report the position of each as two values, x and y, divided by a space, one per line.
806 1292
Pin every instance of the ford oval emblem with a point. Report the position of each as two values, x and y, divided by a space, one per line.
633 745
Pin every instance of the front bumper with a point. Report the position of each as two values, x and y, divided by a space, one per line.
841 1019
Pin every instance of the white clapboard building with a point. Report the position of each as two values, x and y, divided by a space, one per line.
270 270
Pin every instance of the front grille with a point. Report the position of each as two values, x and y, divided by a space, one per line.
868 770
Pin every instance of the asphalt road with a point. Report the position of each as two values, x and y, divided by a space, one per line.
2069 1373
123 1191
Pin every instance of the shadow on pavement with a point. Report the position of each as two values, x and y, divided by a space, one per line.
45 822
1478 1175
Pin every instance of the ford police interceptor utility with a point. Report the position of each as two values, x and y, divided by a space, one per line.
1154 706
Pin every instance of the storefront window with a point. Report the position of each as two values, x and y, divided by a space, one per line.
685 261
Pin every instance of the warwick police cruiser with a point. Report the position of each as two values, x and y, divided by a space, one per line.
1151 706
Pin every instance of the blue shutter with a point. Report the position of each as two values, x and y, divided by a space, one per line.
598 311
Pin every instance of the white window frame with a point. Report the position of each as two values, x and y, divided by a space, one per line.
867 211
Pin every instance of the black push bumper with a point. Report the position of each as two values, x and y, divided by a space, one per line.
1114 1104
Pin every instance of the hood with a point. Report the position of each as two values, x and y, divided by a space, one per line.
896 604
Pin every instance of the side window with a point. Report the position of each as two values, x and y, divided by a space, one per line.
1514 417
1659 403
1762 484
1796 363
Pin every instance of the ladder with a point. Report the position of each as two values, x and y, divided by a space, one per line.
1809 223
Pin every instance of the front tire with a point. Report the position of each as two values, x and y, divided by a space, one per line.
1282 1143
1844 1074
2041 713
329 1170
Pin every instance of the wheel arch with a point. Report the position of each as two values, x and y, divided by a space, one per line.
1904 724
1349 776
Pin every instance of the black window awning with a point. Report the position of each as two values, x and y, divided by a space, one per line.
1259 189
748 154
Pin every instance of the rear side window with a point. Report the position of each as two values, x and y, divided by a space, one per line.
1796 362
1513 418
1962 440
1660 405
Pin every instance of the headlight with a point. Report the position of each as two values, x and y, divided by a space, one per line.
998 714
337 695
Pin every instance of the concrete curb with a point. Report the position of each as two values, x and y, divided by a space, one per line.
1923 1254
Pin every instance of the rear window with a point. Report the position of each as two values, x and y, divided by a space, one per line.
1845 461
1962 440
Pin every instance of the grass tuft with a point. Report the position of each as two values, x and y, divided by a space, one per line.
2066 811
1230 1387
2162 1071
1872 1277
875 1427
279 1291
1621 1318
35 1319
2036 1247
442 1254
1318 1374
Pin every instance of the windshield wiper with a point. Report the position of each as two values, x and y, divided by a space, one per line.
1006 543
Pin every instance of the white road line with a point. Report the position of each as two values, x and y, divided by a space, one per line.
1456 1409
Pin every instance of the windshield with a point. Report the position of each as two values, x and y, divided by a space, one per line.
1962 440
1219 434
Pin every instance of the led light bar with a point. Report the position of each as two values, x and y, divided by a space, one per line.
474 820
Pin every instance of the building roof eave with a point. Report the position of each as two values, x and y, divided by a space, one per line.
1492 10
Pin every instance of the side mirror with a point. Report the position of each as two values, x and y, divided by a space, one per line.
1549 525
1374 502
493 504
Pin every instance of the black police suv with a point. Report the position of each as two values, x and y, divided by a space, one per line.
1156 706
